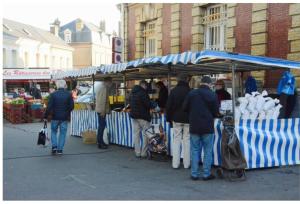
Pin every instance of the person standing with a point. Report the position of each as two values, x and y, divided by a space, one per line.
140 113
102 108
60 106
222 94
162 95
202 107
180 121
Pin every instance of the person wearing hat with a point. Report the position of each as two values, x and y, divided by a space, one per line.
222 94
202 107
102 108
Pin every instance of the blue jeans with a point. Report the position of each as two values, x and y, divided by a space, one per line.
63 127
197 142
101 127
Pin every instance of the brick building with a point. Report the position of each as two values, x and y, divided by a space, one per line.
271 30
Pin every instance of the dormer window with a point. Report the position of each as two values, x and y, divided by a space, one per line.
6 27
26 31
68 36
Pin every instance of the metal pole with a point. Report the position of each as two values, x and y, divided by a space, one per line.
233 67
94 99
125 89
169 79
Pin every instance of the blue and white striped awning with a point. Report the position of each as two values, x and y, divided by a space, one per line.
84 72
196 59
259 60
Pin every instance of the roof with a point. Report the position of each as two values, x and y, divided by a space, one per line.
22 30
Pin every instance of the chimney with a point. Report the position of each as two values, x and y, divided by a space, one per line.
54 28
102 26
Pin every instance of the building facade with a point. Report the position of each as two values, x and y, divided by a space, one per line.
92 45
25 46
271 30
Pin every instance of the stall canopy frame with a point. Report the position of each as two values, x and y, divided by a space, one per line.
206 62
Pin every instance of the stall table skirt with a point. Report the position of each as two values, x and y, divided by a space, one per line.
265 143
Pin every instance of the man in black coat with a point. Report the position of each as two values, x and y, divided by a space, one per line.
202 107
140 105
60 106
180 121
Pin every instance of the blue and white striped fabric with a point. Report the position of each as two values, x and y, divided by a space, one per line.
269 61
265 143
82 120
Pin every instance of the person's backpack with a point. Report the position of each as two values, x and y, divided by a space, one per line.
43 136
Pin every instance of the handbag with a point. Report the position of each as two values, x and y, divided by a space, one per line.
43 136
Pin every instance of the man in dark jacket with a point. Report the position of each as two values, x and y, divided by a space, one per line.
202 106
140 113
60 106
180 121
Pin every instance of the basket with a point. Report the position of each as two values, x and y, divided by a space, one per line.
89 137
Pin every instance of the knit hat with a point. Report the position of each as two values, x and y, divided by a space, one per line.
206 80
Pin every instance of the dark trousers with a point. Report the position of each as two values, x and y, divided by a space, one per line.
101 127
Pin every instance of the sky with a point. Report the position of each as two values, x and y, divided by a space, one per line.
40 13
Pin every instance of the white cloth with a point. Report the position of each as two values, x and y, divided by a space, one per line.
181 136
139 126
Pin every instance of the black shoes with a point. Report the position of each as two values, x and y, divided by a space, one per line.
102 146
194 178
54 150
210 177
59 152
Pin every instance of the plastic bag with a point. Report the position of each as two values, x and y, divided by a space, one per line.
260 103
246 115
269 104
277 111
252 104
254 115
262 115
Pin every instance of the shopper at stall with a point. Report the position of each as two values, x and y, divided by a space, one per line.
202 107
176 116
35 92
162 95
102 108
222 94
59 106
15 93
140 113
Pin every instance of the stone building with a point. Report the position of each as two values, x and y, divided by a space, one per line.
271 30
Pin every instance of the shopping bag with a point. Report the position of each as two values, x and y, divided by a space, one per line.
43 138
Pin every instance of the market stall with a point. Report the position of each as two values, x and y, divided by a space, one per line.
265 142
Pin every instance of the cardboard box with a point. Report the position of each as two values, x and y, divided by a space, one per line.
89 137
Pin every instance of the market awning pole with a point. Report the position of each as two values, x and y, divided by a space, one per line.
125 89
94 99
169 79
233 67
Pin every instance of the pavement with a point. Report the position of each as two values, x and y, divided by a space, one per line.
85 172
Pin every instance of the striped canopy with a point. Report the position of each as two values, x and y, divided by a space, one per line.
204 62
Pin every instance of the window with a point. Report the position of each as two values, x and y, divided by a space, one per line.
68 62
38 60
6 27
4 57
26 31
14 58
26 59
215 27
68 36
61 62
46 60
149 40
53 61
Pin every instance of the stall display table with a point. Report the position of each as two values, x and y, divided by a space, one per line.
264 143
